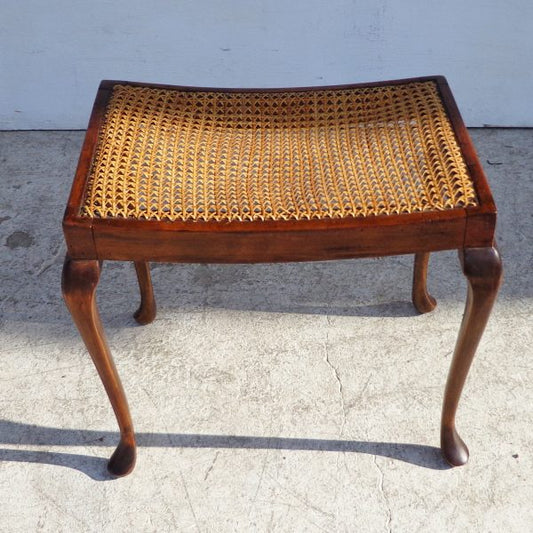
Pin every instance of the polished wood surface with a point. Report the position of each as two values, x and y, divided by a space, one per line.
469 230
218 243
483 270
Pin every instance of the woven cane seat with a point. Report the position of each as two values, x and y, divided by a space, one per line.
208 155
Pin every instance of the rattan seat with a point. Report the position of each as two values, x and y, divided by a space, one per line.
198 175
169 154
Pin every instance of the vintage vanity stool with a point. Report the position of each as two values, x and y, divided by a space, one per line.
195 175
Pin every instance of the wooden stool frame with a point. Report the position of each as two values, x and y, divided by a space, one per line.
470 230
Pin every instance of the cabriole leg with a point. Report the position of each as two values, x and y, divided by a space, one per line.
147 310
422 300
482 268
80 278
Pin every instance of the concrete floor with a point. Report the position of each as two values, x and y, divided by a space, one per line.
295 397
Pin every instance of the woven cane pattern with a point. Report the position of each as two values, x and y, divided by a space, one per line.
166 154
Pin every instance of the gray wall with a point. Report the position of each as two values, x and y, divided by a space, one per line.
54 53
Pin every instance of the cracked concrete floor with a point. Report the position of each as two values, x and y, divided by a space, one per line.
292 397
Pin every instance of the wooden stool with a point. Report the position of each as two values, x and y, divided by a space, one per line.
192 175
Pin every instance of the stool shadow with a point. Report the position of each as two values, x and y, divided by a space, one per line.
14 433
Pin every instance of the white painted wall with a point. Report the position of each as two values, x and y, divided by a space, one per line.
53 54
